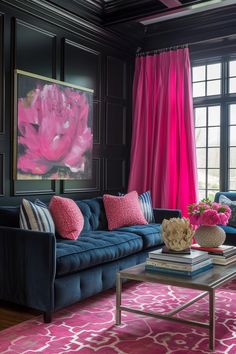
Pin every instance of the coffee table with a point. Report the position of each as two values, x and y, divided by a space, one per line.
207 282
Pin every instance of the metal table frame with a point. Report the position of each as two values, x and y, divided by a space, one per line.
145 277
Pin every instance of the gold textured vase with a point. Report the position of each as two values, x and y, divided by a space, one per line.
209 236
177 233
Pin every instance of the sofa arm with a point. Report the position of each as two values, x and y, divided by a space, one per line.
161 214
27 267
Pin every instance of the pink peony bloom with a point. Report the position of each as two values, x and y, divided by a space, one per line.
215 206
53 131
210 217
209 213
223 219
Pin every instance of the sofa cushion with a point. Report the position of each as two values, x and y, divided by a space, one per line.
94 247
94 214
151 233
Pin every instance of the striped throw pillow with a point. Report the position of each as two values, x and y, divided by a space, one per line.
146 206
36 216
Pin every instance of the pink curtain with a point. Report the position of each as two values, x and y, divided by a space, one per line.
163 155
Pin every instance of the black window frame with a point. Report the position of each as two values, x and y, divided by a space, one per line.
224 100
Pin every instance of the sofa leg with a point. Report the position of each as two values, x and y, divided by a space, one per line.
47 317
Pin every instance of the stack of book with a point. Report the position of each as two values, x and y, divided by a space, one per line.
222 255
188 263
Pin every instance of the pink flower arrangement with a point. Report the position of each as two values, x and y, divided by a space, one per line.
208 213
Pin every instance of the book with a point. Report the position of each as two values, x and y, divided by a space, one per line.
225 255
194 257
220 249
178 272
223 250
176 265
168 250
222 260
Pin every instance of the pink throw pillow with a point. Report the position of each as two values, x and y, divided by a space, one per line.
123 211
68 219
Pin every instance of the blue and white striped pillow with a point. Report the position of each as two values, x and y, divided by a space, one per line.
36 216
146 206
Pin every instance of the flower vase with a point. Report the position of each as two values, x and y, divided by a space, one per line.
209 236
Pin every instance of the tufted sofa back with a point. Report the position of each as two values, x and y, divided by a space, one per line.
94 214
9 216
92 210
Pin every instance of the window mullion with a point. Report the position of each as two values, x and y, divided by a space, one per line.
224 148
224 130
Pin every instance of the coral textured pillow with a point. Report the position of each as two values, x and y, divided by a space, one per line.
123 211
68 219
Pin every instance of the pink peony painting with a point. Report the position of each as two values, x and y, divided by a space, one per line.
54 129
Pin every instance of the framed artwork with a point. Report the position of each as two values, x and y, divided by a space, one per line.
53 136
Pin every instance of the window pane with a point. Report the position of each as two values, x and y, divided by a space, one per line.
201 178
213 157
214 115
232 179
214 136
213 87
200 116
201 194
232 68
211 195
199 73
232 85
232 157
201 158
232 135
200 134
232 119
213 178
199 89
214 71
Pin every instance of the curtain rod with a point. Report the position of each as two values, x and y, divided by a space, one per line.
182 46
158 51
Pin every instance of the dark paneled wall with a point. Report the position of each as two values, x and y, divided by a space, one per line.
38 40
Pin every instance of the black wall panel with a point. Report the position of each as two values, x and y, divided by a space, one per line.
82 66
115 171
34 187
35 49
2 174
115 124
116 72
32 43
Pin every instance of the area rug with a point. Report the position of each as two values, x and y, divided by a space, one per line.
89 326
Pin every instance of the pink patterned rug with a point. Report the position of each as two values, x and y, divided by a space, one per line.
88 327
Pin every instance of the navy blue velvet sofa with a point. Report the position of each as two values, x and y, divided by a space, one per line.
229 230
47 273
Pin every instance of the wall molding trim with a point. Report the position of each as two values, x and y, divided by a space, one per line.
89 31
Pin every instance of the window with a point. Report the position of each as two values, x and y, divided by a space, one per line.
214 96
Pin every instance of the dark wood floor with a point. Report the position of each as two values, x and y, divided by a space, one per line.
11 314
